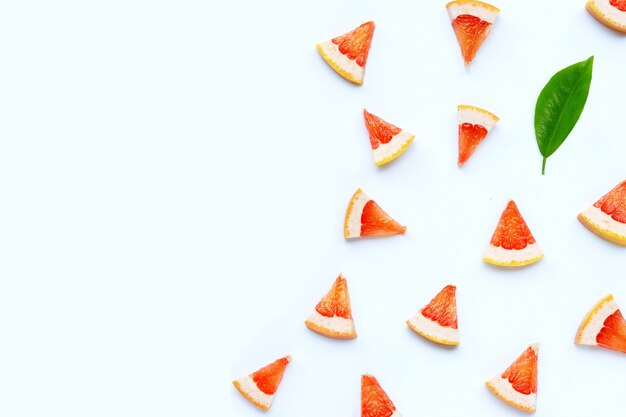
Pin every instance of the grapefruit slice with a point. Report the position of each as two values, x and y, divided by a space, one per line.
374 400
388 141
260 387
607 216
332 316
603 326
517 386
611 13
474 125
437 321
347 54
365 218
471 21
512 244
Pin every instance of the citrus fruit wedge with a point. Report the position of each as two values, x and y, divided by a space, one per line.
607 216
347 54
472 22
332 316
365 218
437 321
517 386
474 125
260 387
603 326
388 141
512 244
611 13
374 400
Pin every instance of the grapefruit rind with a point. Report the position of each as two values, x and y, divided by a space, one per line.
433 331
335 327
496 255
593 322
482 10
603 225
248 388
476 116
387 152
502 388
342 65
352 221
607 14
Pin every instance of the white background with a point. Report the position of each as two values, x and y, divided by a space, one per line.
301 150
173 180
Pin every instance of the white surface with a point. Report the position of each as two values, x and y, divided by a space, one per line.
303 150
151 150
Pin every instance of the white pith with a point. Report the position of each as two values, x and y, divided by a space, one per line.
349 65
354 221
396 143
602 220
589 332
610 12
503 387
475 9
339 325
247 385
475 117
504 256
434 329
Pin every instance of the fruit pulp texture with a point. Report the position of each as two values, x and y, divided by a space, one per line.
268 378
471 31
442 308
512 231
356 44
522 374
375 222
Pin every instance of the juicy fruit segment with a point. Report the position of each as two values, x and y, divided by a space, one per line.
611 13
332 316
517 386
387 141
607 216
471 32
474 125
374 400
437 321
604 326
619 4
472 21
356 44
512 243
260 387
365 218
347 54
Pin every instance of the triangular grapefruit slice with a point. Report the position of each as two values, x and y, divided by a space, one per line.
604 326
260 387
365 218
332 316
517 386
374 400
611 13
471 21
512 244
437 321
607 216
347 54
387 141
474 125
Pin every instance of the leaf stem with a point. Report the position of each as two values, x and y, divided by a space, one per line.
543 166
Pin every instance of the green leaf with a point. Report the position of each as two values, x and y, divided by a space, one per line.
559 106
